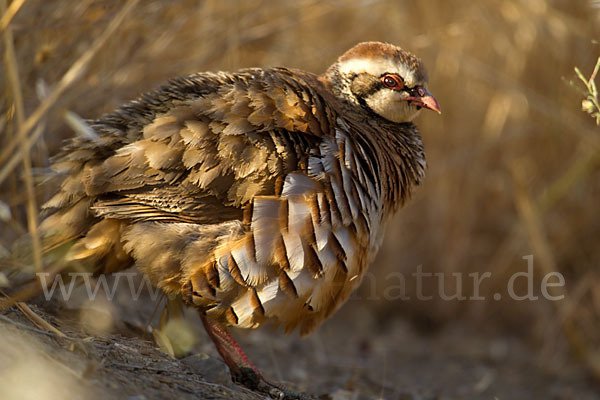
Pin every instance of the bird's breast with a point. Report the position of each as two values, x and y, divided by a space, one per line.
305 248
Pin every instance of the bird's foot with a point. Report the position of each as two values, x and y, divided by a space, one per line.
243 372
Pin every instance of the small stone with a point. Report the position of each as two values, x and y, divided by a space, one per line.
3 279
5 214
406 396
342 394
210 369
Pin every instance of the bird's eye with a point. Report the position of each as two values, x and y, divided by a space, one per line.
392 81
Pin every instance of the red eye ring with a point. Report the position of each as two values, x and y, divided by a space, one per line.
392 81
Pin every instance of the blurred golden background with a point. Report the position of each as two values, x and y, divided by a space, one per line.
514 164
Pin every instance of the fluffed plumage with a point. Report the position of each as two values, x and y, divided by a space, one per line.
257 195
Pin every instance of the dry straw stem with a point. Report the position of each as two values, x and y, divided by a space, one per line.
70 77
35 319
531 217
588 158
12 69
531 213
583 166
31 289
8 15
43 326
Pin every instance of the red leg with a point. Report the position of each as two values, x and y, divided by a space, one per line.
232 353
242 370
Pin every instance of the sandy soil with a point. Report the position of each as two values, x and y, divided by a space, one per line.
352 356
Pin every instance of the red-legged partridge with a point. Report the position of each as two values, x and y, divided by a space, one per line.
260 195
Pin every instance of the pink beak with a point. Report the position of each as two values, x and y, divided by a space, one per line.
425 100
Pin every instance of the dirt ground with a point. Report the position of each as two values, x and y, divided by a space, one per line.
352 356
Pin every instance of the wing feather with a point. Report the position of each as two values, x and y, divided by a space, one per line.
180 164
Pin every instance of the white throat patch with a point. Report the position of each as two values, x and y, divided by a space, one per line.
392 106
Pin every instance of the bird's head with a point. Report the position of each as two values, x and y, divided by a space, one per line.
383 78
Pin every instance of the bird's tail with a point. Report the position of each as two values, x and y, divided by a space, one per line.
95 251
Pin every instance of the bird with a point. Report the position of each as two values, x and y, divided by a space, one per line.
257 196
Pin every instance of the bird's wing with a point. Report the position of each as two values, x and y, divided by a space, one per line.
202 150
197 150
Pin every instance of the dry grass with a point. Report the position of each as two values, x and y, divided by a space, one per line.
514 163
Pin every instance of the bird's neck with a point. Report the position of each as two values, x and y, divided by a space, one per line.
395 151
